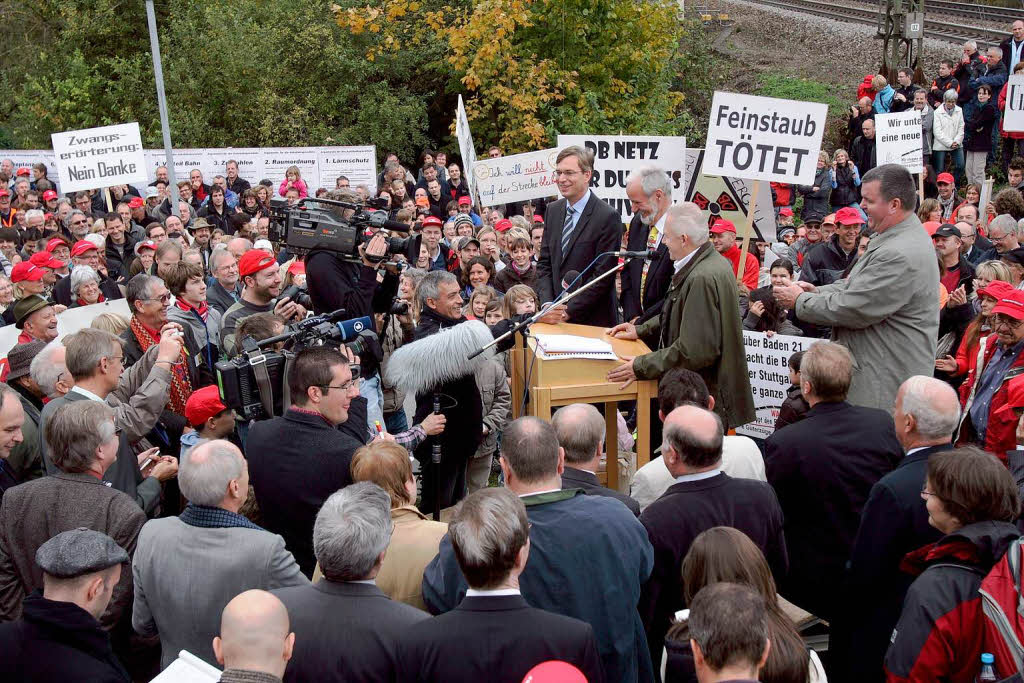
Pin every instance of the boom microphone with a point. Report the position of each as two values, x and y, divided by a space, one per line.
429 362
645 254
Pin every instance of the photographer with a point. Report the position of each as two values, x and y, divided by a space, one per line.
261 283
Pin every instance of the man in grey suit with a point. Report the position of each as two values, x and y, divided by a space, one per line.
886 311
187 568
350 536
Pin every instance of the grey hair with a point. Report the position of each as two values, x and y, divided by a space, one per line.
414 274
63 201
351 530
217 255
75 431
71 215
487 532
687 220
934 405
949 96
35 213
207 469
139 288
651 179
973 44
580 431
430 286
81 275
86 348
1004 222
44 371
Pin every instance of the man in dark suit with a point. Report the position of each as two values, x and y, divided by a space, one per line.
493 634
822 469
351 533
299 459
894 523
645 281
702 497
577 228
580 430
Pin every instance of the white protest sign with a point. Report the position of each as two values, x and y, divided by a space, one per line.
358 164
1013 115
99 157
768 369
764 138
616 156
516 178
466 148
68 322
898 137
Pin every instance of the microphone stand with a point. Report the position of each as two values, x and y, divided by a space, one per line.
435 459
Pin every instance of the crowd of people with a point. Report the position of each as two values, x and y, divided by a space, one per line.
142 515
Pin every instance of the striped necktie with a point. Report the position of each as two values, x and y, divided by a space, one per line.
567 228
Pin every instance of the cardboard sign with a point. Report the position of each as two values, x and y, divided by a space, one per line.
898 137
68 322
1013 115
466 148
728 198
768 369
616 156
99 157
516 178
764 138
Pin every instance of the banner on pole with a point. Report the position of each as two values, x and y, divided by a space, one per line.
898 137
764 138
466 148
99 157
1013 115
616 156
516 178
728 198
768 369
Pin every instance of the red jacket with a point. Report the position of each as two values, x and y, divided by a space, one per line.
1000 434
967 361
752 270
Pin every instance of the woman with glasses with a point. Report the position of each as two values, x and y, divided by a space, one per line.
972 500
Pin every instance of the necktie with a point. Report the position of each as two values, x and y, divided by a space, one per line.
567 228
652 239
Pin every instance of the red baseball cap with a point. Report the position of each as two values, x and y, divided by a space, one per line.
432 220
945 178
848 216
45 259
23 171
464 200
785 211
996 289
4 192
537 218
722 225
54 243
931 226
26 271
48 195
297 268
503 225
136 203
554 671
203 404
82 246
1011 304
255 260
145 244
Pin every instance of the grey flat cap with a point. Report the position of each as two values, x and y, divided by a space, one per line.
77 552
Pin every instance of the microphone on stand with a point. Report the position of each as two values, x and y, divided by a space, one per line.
435 459
645 254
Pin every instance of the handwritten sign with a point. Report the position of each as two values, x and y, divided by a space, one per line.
466 148
99 157
768 369
898 138
516 178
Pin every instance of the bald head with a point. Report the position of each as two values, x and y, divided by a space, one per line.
692 440
238 246
926 412
580 431
254 634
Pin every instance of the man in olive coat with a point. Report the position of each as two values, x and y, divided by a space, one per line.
699 327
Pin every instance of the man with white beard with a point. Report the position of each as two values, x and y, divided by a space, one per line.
645 281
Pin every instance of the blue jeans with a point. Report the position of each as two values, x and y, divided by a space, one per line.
369 388
396 422
957 155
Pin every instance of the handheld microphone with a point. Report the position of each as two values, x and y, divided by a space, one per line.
350 329
568 279
645 254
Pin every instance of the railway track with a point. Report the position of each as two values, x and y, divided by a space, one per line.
939 30
975 10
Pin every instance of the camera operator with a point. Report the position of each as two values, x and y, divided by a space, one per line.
261 283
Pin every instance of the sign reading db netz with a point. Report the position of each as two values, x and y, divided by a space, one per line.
763 138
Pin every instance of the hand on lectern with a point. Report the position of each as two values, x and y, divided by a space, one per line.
623 331
624 373
556 314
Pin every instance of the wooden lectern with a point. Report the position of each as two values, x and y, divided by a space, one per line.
560 382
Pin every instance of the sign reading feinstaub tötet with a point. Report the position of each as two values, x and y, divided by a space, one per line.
99 157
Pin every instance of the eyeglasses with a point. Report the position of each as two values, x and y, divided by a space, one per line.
119 359
163 299
1002 321
343 387
566 174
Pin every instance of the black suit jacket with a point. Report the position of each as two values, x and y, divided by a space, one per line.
894 523
822 469
680 515
496 639
659 276
573 478
7 479
357 614
296 461
598 229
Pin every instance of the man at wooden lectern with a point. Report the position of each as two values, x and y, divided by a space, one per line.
699 327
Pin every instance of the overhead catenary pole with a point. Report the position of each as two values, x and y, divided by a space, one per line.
161 98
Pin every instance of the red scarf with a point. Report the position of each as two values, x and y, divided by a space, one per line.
181 386
203 310
83 302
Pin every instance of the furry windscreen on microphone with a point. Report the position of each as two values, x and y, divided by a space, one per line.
432 361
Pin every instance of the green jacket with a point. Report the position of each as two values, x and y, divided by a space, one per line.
710 341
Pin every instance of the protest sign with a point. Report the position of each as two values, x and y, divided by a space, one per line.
898 138
764 138
616 156
466 148
1013 115
68 322
728 198
99 157
516 178
768 369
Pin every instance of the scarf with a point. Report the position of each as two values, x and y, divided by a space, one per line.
83 302
203 309
181 386
947 206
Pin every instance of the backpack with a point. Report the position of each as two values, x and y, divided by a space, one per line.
1002 601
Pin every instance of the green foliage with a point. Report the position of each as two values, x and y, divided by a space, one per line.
793 88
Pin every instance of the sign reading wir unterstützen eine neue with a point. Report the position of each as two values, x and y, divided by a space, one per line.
764 138
99 157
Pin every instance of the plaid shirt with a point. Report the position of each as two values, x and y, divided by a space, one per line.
411 438
214 518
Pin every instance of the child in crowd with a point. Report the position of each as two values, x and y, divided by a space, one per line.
520 300
476 308
521 269
293 180
794 408
493 314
